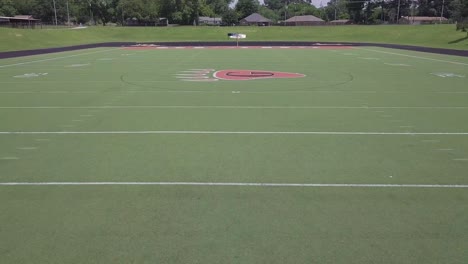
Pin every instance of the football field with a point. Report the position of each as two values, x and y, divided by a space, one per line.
323 154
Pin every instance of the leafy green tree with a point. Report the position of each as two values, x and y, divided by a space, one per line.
275 4
230 17
335 9
246 7
462 15
268 13
355 8
219 7
7 8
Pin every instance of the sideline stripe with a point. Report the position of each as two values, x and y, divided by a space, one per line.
235 132
214 92
255 184
57 58
412 56
231 107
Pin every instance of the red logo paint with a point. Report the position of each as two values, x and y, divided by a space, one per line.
244 75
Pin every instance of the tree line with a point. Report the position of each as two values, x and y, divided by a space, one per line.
187 12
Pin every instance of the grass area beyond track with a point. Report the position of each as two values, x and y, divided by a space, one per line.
438 36
144 156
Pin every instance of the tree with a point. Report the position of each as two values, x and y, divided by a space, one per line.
275 4
104 9
247 7
462 13
7 8
355 10
268 13
219 7
230 17
335 9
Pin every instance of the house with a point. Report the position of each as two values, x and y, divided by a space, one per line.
211 21
308 20
4 21
340 22
418 20
23 21
255 19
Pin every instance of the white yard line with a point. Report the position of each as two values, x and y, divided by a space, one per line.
233 132
57 58
232 107
413 56
240 184
212 92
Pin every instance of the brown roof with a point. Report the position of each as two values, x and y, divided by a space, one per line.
308 18
23 17
424 18
256 18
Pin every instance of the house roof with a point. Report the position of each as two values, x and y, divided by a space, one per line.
203 18
24 17
308 18
424 18
256 18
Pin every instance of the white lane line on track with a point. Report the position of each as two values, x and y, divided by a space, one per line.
57 58
234 132
238 184
413 56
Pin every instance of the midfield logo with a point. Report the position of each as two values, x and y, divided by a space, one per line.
209 75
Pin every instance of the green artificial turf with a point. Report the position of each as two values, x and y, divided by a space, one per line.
440 36
130 91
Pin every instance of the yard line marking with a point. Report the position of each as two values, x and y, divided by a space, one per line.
9 158
236 107
27 148
430 140
413 56
367 58
235 132
240 184
464 159
86 115
406 126
77 120
42 139
445 149
397 64
57 58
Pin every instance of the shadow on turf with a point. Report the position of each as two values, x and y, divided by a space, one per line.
458 40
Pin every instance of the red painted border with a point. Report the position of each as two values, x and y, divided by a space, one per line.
245 75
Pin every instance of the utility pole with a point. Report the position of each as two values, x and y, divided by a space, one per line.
91 11
398 13
68 14
55 11
442 13
335 8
